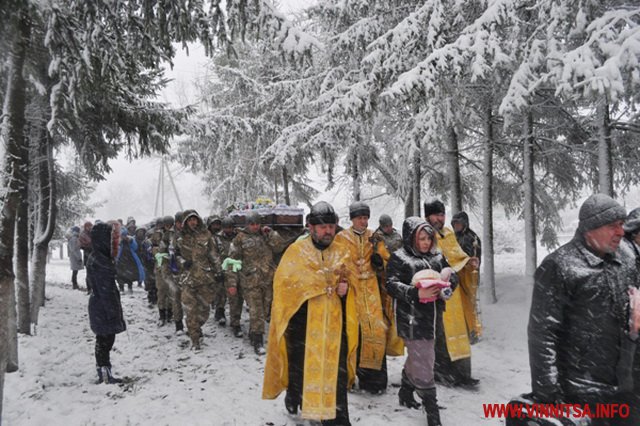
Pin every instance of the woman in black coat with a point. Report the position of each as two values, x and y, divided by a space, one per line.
105 310
416 321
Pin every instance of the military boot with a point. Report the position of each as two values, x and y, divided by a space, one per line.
430 403
405 394
257 343
219 317
163 317
237 331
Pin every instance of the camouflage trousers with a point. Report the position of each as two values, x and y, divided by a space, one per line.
235 308
235 303
163 291
175 292
220 296
197 299
257 290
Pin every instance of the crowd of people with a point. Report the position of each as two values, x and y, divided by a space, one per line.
336 302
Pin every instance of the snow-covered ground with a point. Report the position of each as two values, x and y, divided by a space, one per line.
221 385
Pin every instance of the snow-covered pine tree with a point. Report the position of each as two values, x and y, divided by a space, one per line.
598 63
105 64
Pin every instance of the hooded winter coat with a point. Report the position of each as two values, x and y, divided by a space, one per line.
128 265
578 325
105 310
415 320
73 250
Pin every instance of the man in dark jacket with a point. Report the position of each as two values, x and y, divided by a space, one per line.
580 351
105 310
468 240
470 243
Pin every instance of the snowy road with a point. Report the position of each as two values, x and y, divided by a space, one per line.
221 385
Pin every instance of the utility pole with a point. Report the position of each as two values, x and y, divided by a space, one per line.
160 189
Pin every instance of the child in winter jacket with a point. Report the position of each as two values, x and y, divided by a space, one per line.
419 259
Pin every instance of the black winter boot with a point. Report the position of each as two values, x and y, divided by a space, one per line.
237 331
292 402
179 326
219 317
257 343
430 403
163 317
405 394
105 376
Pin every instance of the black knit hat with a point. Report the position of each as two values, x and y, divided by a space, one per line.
359 209
322 213
433 207
599 210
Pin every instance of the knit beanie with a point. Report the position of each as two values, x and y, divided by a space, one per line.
599 210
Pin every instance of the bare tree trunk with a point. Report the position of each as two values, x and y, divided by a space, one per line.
285 184
488 269
46 220
529 198
355 174
275 189
408 204
415 191
12 363
453 160
605 162
13 128
22 244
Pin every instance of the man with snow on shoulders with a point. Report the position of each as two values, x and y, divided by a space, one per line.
580 342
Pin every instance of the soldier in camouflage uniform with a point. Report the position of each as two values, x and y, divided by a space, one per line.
254 247
223 241
162 287
200 263
387 233
214 225
173 270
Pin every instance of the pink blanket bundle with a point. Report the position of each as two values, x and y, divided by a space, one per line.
430 283
634 312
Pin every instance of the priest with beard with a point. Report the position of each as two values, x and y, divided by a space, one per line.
313 335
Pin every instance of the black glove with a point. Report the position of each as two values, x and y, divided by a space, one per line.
376 260
187 264
220 277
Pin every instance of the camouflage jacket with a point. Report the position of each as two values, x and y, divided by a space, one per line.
223 243
198 256
392 241
255 251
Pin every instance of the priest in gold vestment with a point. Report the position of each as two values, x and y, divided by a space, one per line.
453 349
372 347
314 329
